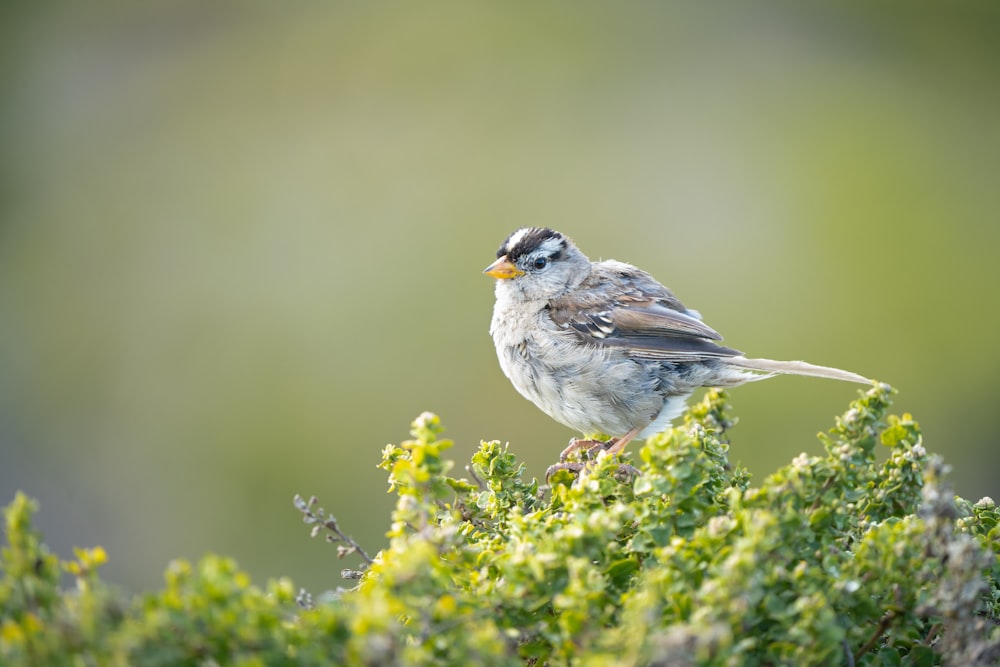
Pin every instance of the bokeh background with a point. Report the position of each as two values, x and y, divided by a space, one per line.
241 242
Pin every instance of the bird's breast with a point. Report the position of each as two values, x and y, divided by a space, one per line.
590 388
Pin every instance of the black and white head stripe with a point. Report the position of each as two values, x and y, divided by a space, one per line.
532 239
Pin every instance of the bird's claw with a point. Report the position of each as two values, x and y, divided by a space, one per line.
624 473
569 466
589 445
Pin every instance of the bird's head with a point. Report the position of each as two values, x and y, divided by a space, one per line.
537 263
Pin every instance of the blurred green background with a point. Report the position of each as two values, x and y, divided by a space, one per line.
241 242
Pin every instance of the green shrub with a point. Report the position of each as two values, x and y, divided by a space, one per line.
833 559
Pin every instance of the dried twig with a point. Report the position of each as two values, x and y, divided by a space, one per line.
317 516
883 625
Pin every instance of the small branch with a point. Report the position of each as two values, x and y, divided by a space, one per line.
311 514
932 634
827 485
883 625
848 656
480 483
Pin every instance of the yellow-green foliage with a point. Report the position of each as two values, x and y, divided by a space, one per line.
834 559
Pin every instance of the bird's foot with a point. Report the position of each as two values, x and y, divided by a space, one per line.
593 446
590 445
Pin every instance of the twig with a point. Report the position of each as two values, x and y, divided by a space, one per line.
847 653
883 625
312 514
932 634
480 483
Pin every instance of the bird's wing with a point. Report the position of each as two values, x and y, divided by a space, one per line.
626 308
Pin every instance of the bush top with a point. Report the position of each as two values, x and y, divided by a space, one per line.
833 559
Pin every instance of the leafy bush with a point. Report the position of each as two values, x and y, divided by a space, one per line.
833 559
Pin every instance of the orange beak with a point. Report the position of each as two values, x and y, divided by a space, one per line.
503 269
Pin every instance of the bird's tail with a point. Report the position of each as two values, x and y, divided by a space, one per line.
771 367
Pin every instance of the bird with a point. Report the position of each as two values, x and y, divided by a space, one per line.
603 348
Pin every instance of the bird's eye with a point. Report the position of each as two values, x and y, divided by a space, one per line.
541 262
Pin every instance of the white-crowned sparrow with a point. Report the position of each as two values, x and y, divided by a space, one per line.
602 347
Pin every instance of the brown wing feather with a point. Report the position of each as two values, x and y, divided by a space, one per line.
657 332
654 319
626 308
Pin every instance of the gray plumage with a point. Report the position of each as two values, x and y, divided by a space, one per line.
602 347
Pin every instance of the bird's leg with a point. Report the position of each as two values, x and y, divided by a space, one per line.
617 446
